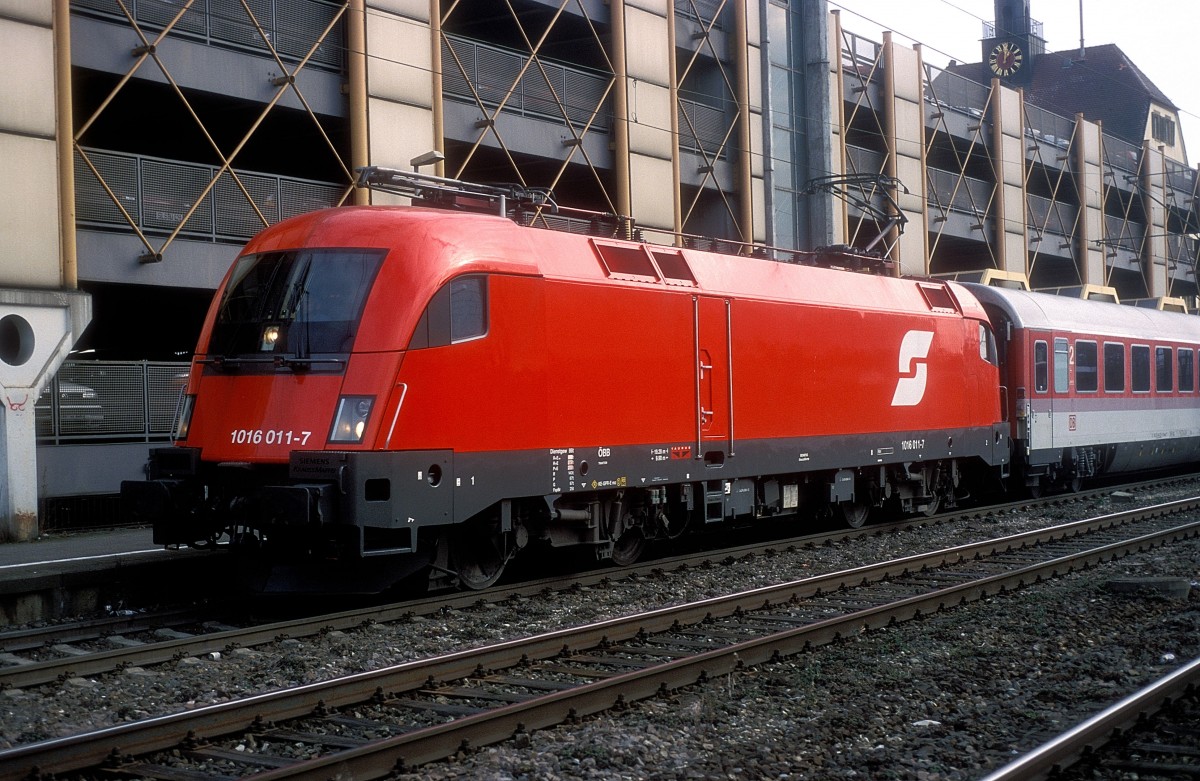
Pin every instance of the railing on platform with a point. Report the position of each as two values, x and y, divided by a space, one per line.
111 401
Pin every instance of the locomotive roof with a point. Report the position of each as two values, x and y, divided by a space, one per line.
455 242
1100 318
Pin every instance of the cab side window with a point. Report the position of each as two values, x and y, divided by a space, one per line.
458 312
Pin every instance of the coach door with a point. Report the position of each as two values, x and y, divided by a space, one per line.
1050 372
714 379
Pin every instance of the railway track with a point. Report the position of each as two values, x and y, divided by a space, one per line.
1150 734
367 725
33 657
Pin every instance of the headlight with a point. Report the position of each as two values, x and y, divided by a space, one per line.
184 421
350 420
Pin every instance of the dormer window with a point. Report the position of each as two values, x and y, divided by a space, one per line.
1162 128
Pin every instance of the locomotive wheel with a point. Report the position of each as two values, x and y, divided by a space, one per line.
854 513
1075 485
479 553
629 547
935 504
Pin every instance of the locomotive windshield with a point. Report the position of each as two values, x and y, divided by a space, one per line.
294 304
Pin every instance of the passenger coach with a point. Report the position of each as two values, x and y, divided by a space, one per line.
1095 387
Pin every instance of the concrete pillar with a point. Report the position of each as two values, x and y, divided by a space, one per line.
1154 198
821 118
356 93
645 96
1008 160
751 182
396 84
837 97
18 455
41 316
904 126
1089 182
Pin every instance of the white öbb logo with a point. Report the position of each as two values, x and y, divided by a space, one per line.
911 389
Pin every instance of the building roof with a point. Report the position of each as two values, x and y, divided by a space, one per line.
1104 85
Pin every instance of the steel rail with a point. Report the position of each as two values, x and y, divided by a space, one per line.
51 670
383 757
1064 750
89 749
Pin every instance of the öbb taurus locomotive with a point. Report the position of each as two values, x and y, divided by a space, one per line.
380 392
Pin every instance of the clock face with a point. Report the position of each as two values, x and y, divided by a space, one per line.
1005 59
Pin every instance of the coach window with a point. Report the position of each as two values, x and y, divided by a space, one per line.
1187 380
1062 367
1041 376
1139 368
1086 372
1114 367
1164 382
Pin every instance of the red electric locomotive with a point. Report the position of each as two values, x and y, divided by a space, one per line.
383 390
1096 387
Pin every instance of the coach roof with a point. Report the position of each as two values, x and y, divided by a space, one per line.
1076 315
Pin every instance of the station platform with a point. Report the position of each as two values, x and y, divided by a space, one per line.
86 572
92 548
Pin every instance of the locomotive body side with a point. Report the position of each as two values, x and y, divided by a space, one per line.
500 386
1095 388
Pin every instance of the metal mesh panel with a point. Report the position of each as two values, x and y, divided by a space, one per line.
111 400
234 215
229 21
299 25
706 128
863 161
169 190
581 93
537 96
1050 216
453 80
972 195
92 203
494 73
298 197
1049 127
159 13
103 6
43 413
951 90
165 384
702 10
1122 154
1124 238
100 398
1181 178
